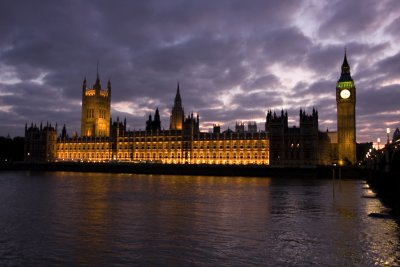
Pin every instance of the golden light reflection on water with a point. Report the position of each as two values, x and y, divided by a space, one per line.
103 219
377 233
187 203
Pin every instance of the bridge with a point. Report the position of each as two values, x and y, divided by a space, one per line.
382 169
385 160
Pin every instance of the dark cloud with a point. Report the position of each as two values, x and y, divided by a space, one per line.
285 45
346 18
390 66
234 59
375 101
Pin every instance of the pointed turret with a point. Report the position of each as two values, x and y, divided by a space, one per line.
97 85
178 100
345 75
177 114
84 86
149 124
64 132
345 65
157 122
157 115
97 70
109 87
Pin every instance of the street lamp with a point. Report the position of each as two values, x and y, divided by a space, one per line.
388 132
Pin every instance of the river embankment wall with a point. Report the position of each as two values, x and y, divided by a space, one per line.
189 169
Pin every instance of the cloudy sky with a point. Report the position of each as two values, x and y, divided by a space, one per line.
234 60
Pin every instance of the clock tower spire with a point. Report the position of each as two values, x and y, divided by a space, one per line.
346 115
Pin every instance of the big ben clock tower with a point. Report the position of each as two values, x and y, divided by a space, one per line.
346 116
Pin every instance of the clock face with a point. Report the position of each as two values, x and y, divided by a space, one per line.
345 94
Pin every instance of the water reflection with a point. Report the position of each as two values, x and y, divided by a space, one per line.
103 219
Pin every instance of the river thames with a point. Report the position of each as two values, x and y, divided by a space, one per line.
66 218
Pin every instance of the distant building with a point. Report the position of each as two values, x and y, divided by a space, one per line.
40 143
154 125
396 135
216 129
239 127
252 127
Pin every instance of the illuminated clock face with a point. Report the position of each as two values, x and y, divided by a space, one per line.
345 94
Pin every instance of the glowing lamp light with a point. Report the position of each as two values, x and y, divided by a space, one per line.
388 132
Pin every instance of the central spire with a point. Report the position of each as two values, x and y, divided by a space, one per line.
97 85
178 100
177 113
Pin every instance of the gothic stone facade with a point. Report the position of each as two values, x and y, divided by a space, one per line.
295 146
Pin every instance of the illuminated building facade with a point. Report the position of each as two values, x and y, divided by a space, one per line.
346 116
183 143
169 146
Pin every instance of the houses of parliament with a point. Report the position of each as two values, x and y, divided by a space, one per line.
276 144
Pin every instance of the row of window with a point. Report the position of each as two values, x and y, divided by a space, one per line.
83 155
154 155
83 148
158 146
150 139
134 138
66 148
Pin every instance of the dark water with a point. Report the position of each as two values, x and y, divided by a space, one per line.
107 219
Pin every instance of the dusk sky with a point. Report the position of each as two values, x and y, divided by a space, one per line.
234 60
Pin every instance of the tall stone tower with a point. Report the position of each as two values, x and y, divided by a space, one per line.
346 115
96 103
177 114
